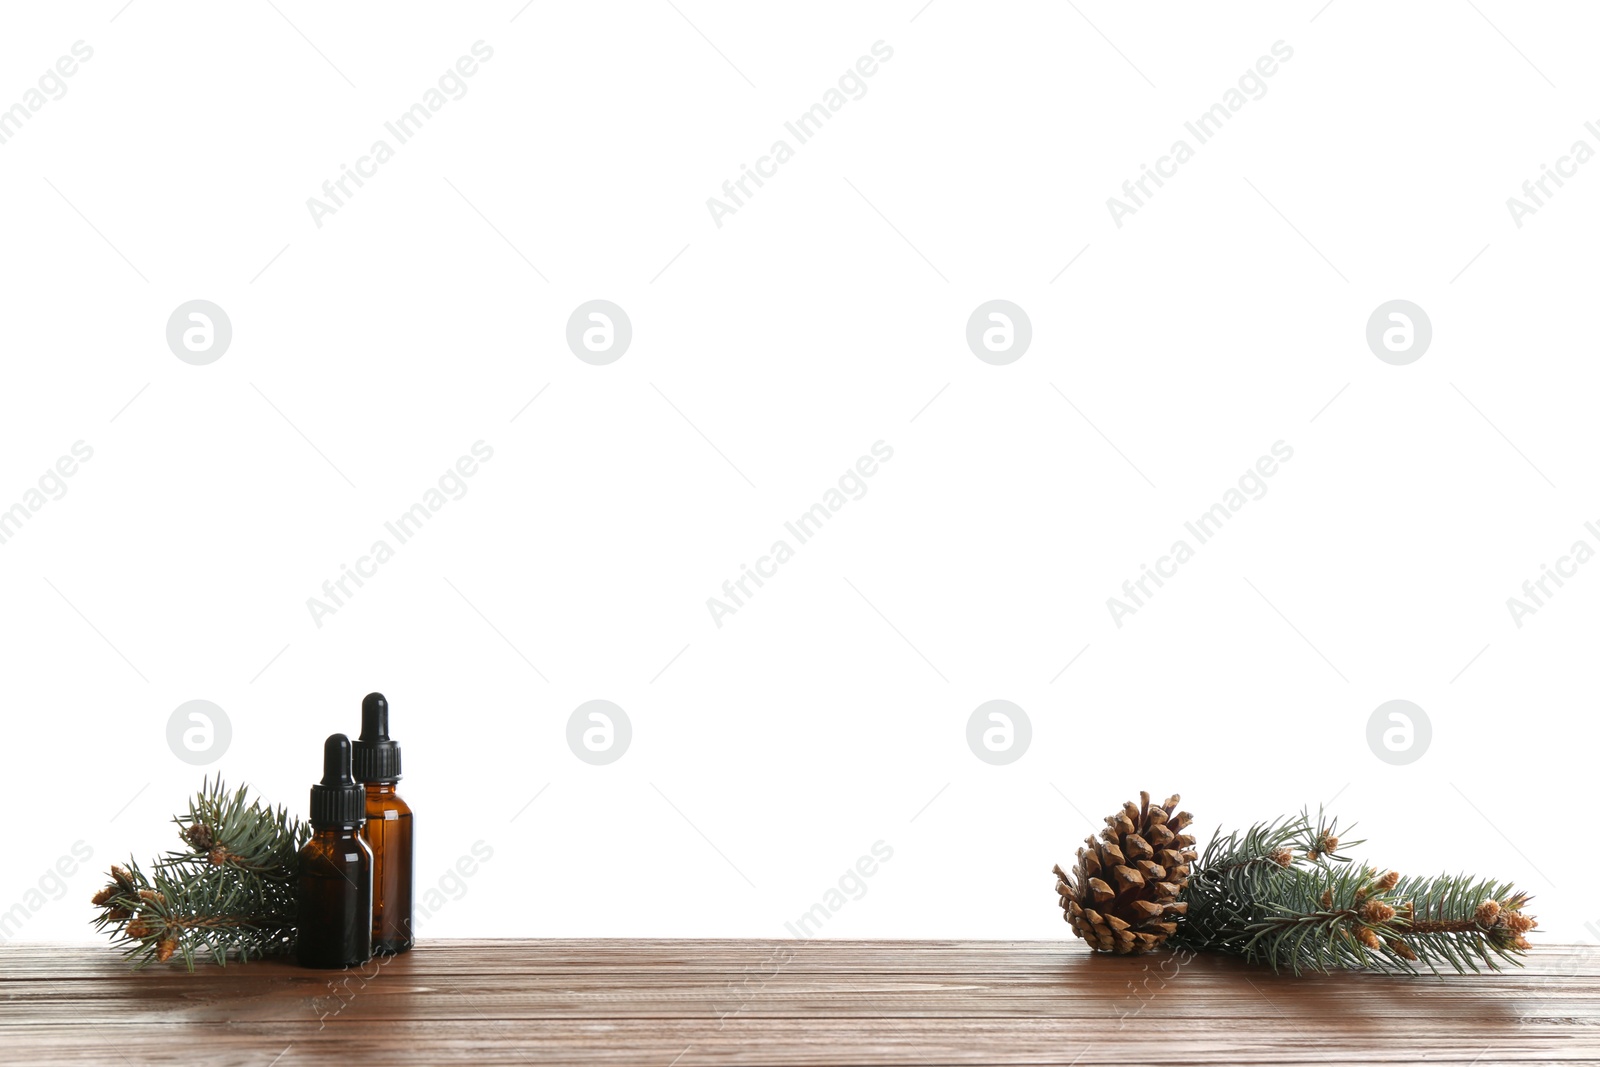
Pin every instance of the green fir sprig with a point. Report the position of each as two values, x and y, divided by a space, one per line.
1282 894
227 893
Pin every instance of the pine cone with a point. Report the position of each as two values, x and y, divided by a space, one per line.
1122 895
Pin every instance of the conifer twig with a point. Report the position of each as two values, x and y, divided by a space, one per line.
1282 894
228 892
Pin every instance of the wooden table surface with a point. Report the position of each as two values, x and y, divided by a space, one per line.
684 1003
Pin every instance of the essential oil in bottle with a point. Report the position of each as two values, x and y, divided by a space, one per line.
388 829
334 889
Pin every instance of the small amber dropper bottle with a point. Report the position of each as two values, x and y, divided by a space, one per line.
334 888
387 831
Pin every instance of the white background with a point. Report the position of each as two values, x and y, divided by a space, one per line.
827 314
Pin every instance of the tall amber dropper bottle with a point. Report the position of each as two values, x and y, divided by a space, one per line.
333 892
388 829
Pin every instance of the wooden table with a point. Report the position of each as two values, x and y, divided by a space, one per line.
783 1002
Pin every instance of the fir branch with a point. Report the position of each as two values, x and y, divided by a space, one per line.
1283 894
230 892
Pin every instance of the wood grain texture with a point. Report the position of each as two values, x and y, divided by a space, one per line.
685 1003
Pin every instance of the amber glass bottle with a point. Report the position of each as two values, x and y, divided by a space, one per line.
334 887
387 831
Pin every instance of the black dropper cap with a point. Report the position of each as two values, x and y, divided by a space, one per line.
338 798
377 759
